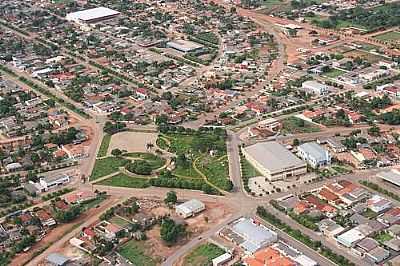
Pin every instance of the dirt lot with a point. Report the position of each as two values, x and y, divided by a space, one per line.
131 141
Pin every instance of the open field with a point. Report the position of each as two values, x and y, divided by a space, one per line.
216 170
372 58
107 166
203 255
390 36
122 180
132 141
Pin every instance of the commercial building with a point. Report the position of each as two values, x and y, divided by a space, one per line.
274 161
315 87
190 208
57 259
92 15
391 176
250 236
53 181
184 46
314 154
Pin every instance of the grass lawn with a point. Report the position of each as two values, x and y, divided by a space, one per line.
333 73
104 146
162 143
388 36
119 221
294 125
107 166
247 169
154 160
383 237
122 180
187 172
203 255
217 171
179 143
138 253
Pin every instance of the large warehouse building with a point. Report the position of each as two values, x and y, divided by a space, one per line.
274 161
92 15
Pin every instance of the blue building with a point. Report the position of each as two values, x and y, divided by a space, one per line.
314 154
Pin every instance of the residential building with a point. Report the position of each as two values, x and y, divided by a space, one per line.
379 204
350 238
274 161
314 154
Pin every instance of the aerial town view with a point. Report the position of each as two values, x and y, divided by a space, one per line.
200 132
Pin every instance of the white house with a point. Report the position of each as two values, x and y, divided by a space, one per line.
379 204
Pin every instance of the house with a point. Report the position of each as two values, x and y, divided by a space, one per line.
88 233
80 196
390 217
314 154
268 256
377 255
329 228
190 208
335 145
350 238
315 87
365 246
45 218
54 181
379 204
142 93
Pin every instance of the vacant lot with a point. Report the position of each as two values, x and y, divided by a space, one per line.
334 73
294 125
390 36
132 141
203 255
137 252
107 166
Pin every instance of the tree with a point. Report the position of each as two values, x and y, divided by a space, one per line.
374 131
170 231
116 152
171 198
139 167
296 142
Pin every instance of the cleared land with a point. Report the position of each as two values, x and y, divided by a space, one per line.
132 141
334 73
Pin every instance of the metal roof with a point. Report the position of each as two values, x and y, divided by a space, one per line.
391 176
90 14
314 150
57 259
273 156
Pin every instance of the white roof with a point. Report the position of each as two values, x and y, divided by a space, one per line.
351 236
303 260
91 14
221 259
191 206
